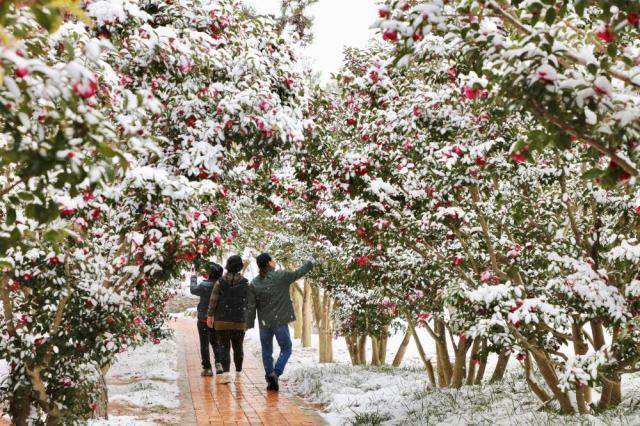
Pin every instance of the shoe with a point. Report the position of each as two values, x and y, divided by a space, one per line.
272 381
224 378
218 368
206 372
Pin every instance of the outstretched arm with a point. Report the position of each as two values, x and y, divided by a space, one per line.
194 287
289 277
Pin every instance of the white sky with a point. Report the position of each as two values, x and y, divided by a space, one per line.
337 24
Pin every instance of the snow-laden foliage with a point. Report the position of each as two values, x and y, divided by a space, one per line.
121 145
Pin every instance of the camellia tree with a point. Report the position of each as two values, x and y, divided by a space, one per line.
166 108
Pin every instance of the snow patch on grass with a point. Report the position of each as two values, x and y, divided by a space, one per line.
372 396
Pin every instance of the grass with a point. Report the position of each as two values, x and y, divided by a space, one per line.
376 396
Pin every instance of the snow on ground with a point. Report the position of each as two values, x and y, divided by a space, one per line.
371 396
4 372
143 386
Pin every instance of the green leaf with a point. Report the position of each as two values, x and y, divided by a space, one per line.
11 216
550 17
612 50
562 141
592 174
579 6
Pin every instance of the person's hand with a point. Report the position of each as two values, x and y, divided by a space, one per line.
210 322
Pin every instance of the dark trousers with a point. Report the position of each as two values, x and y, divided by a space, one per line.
226 340
207 337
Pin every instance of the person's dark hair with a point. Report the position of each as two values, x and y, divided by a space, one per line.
215 272
234 264
263 264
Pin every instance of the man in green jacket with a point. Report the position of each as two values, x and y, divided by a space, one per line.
269 296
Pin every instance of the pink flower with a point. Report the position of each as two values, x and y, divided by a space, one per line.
470 93
21 72
390 35
85 90
137 321
457 261
546 73
518 157
363 261
88 196
606 35
515 251
66 211
637 210
383 12
374 76
633 18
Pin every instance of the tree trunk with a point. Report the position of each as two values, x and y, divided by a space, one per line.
501 367
402 350
535 388
326 332
549 375
444 363
483 363
19 409
362 349
460 362
296 298
473 362
423 355
382 343
307 316
580 347
375 351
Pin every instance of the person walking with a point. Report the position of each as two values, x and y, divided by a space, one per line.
227 314
206 334
269 297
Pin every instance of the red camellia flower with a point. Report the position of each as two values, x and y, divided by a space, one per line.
606 35
21 72
361 231
88 196
14 285
383 12
374 76
480 161
351 121
470 93
633 18
637 210
86 90
66 211
54 260
137 321
191 121
518 157
390 35
363 261
457 261
95 213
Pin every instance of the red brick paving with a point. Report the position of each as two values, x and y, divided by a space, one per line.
244 401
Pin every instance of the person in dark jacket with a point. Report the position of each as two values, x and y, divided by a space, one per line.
207 334
269 296
227 313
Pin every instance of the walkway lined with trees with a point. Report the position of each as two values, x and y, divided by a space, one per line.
244 401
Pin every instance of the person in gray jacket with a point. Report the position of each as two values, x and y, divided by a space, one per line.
269 297
207 334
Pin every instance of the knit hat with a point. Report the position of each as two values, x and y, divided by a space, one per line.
263 260
215 272
234 264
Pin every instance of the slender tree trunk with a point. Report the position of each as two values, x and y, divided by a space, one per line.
362 349
445 370
326 332
501 367
535 388
483 363
460 363
307 316
549 375
375 354
383 340
473 362
19 409
583 393
427 362
296 298
402 350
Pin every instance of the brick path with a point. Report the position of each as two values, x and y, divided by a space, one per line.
244 401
